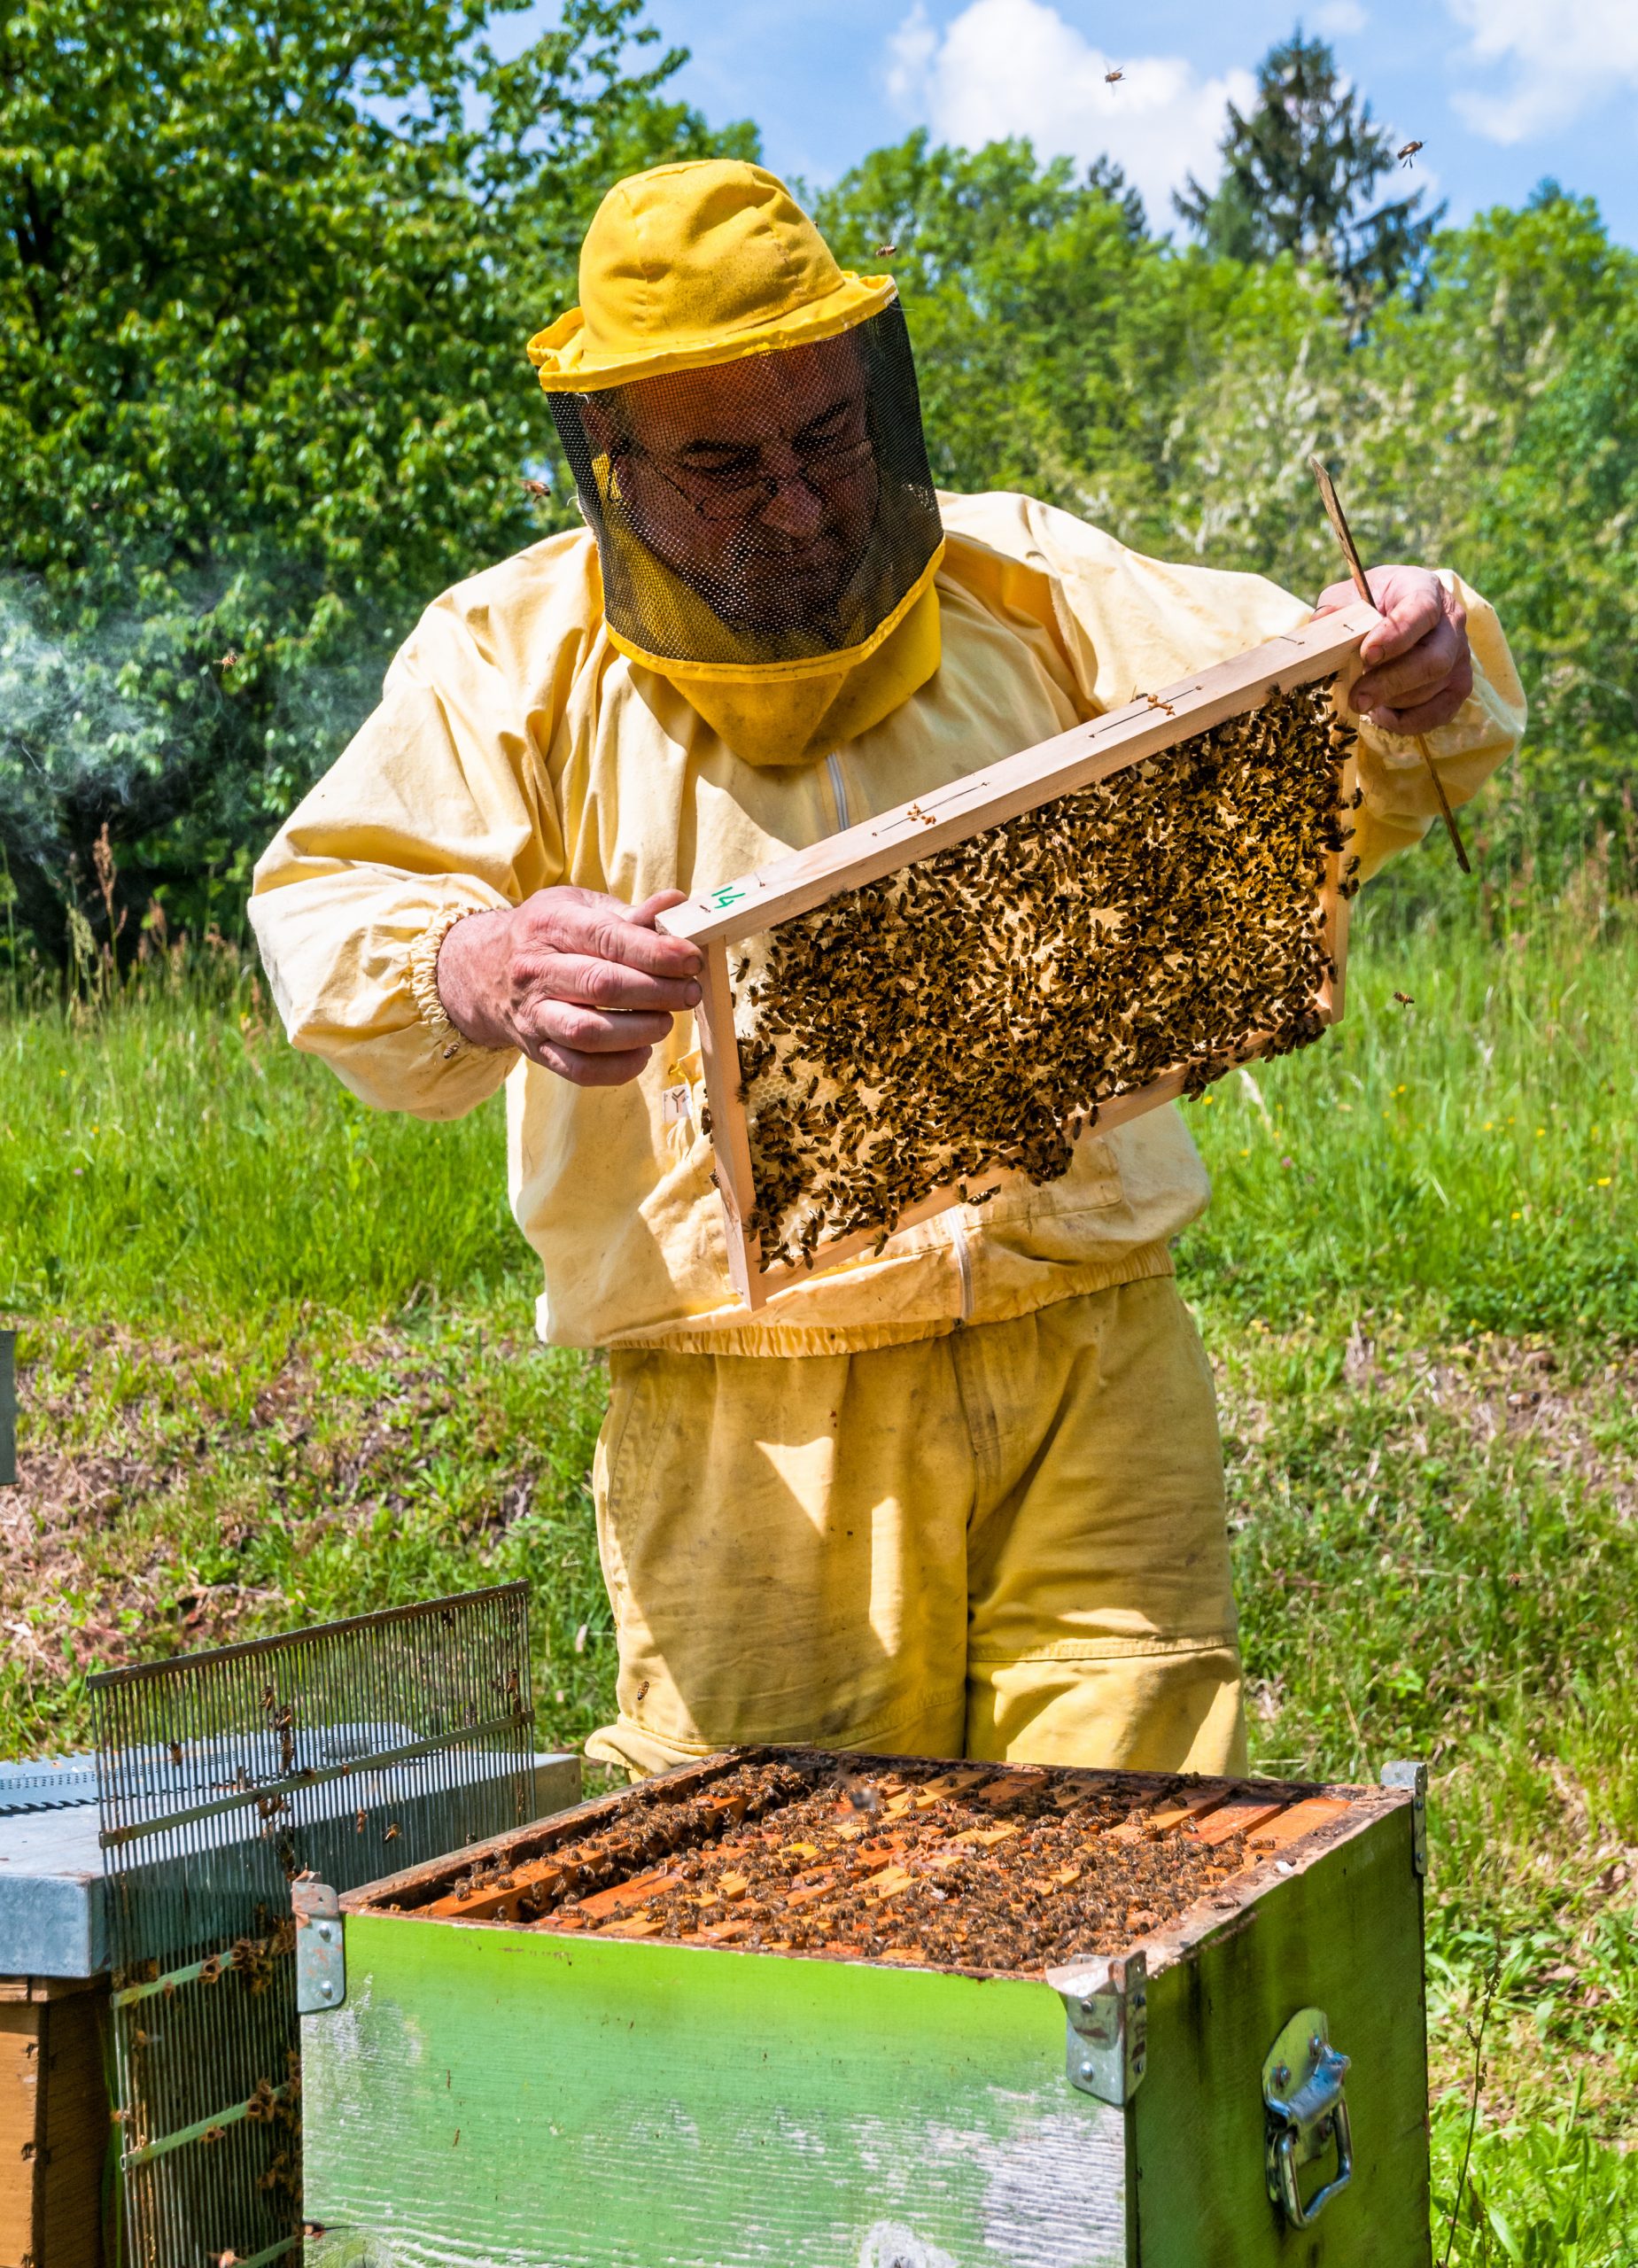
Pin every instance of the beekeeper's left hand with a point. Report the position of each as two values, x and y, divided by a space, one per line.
1417 669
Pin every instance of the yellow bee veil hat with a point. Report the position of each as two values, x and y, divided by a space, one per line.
741 419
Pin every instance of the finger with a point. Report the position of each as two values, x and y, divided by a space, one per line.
590 1070
1426 716
1335 596
608 930
603 927
1411 607
662 902
1415 675
612 984
649 950
593 1031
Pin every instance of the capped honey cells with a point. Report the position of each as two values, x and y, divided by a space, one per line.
971 1013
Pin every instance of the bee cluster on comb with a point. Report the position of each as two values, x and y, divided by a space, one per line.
1004 1867
974 1010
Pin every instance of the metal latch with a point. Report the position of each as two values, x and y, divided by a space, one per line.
1107 2003
321 1953
1413 1776
1307 2114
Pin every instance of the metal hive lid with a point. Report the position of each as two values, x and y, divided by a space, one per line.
47 1784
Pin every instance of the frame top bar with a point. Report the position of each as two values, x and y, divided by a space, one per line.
804 878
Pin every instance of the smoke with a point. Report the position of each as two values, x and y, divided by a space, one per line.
185 713
74 720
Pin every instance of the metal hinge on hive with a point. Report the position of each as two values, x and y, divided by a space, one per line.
320 1950
1107 2004
1413 1776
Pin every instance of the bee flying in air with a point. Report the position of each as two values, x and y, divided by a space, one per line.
1405 999
1408 153
886 252
538 489
1113 78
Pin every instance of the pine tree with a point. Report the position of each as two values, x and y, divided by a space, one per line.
1298 174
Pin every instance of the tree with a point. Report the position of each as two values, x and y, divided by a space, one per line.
1298 173
1039 309
266 276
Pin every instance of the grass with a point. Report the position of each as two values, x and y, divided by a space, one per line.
277 1367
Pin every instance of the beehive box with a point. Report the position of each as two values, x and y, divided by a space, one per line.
827 2012
899 1019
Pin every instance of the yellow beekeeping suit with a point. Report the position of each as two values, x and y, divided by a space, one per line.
516 747
1005 1541
965 1495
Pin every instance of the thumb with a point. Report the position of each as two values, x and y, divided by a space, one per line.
662 902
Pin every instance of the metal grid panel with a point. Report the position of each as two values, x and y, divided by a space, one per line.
344 1753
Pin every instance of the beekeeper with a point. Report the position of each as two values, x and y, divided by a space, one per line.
966 1496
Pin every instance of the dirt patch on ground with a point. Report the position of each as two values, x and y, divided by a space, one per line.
1574 1417
139 1458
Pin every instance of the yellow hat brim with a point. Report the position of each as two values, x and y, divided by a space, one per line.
569 363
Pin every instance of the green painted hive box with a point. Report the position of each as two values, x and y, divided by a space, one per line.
785 2009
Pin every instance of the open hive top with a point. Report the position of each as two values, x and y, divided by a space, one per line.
998 1869
975 1010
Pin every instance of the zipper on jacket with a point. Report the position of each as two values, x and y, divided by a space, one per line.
838 788
963 1252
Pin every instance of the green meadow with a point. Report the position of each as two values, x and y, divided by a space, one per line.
276 1365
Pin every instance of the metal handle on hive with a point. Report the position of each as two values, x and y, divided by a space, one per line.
1307 2110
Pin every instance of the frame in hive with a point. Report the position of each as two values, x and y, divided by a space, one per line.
830 1131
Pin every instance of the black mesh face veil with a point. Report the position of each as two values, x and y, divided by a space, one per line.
760 515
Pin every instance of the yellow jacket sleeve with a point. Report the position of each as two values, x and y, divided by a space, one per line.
1131 625
441 802
1400 800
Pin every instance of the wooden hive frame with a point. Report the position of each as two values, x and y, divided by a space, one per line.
1146 726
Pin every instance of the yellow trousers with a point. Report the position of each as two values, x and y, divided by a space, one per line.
1005 1542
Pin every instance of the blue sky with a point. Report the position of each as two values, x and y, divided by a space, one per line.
1500 92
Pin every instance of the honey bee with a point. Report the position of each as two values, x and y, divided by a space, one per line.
886 252
538 489
972 1010
1113 77
1407 155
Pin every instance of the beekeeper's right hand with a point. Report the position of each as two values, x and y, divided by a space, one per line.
582 984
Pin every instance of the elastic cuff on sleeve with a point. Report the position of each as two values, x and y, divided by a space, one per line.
423 981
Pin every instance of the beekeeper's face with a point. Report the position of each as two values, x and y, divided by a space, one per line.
754 481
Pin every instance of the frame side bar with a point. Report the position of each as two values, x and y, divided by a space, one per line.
736 1184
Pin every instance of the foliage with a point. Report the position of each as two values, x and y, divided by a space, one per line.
263 287
1296 174
1485 423
1014 278
266 276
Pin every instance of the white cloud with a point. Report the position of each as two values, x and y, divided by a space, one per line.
1015 68
1337 19
1559 61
